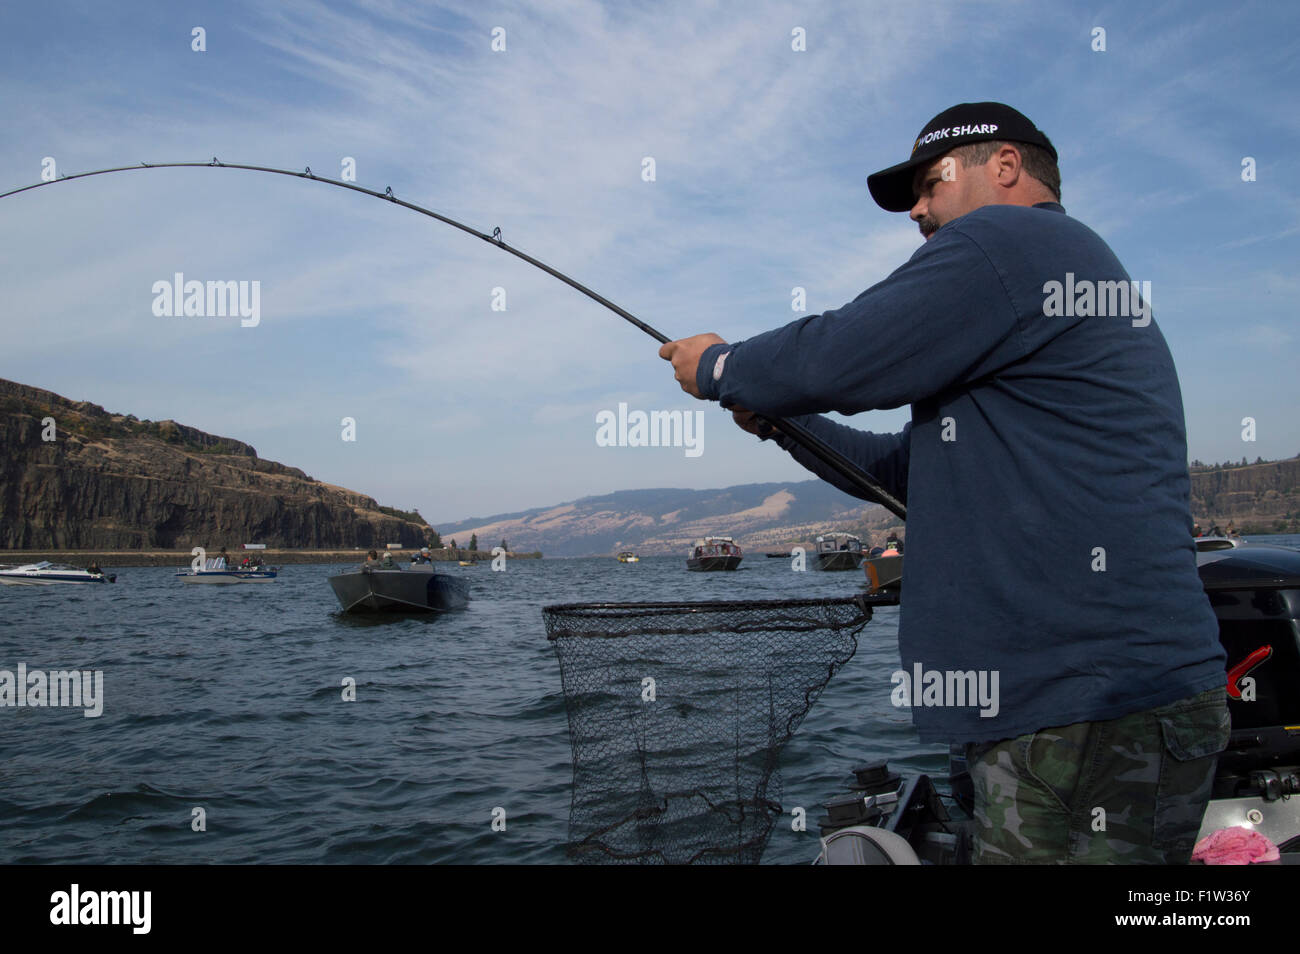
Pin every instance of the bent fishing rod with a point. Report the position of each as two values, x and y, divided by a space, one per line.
865 484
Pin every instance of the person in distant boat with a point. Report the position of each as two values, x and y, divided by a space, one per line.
225 557
1215 531
1046 436
94 567
1197 531
422 556
372 559
893 542
387 561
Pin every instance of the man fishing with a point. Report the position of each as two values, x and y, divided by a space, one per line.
1045 473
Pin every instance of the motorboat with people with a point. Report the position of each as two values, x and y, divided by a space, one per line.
46 573
217 571
714 553
390 587
627 556
1254 589
838 551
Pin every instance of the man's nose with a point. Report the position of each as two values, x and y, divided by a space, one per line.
918 210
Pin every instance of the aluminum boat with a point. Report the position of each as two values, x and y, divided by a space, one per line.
839 551
714 553
416 588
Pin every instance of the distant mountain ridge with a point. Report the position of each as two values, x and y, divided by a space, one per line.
668 520
114 482
1258 498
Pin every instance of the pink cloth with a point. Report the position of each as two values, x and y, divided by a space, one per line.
1235 846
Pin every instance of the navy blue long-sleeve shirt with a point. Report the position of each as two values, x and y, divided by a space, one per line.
1044 470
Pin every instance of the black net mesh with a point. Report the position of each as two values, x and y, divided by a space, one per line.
684 769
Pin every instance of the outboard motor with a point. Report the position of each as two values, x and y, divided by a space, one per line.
1255 592
889 821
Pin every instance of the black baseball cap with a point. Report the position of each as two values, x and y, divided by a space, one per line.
956 126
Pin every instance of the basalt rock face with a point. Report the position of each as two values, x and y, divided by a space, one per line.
1264 496
112 482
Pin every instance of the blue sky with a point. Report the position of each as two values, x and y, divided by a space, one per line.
761 154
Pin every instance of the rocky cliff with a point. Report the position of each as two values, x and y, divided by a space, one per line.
1259 498
111 481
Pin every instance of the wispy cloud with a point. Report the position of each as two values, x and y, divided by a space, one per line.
761 155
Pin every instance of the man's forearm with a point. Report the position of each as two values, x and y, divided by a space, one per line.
884 456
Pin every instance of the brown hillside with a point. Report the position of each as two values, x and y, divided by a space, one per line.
111 481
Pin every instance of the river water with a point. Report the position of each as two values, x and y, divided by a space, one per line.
229 700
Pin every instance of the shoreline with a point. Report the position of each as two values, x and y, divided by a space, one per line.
181 558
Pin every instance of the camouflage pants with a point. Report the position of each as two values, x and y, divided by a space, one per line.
1128 791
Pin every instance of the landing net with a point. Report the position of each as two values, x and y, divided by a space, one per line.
677 716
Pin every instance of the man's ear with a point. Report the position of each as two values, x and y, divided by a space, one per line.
1010 165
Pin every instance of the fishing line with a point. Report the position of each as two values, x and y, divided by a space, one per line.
865 484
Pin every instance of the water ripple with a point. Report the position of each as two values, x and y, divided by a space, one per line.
231 701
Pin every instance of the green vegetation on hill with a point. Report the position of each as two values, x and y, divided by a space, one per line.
94 423
412 516
1263 497
1197 465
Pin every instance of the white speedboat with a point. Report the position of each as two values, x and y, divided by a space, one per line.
47 574
216 571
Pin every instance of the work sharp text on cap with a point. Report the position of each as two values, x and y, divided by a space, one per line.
979 129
